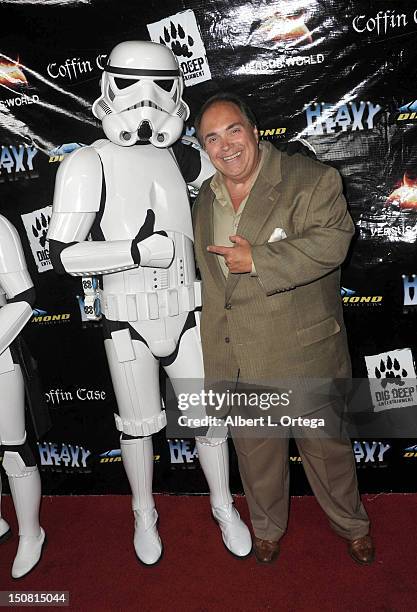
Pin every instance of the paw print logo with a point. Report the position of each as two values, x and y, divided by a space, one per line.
177 40
40 229
390 372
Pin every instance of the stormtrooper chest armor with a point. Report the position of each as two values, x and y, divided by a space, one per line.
137 179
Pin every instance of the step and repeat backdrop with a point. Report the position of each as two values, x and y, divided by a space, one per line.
339 74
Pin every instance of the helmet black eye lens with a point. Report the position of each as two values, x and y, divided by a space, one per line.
166 85
123 83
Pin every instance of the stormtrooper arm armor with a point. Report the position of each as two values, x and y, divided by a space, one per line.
79 190
15 285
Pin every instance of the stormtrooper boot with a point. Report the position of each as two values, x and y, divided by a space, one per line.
5 531
137 456
214 460
26 494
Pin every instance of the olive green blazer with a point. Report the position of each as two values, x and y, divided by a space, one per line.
287 321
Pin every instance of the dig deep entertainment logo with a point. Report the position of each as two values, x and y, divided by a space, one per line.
36 225
181 34
392 379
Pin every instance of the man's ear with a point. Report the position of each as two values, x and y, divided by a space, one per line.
255 131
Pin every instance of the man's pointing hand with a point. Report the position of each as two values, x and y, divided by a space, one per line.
238 258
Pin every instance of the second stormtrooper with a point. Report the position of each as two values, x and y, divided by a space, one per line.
16 300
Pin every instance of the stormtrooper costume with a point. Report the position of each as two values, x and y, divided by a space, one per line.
16 300
129 194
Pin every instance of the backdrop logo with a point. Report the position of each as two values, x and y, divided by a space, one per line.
411 452
180 33
326 118
58 153
272 132
370 453
279 62
404 195
182 451
115 456
350 297
286 25
65 457
392 379
75 68
50 319
11 73
111 456
36 225
410 289
57 396
382 22
407 112
21 100
16 162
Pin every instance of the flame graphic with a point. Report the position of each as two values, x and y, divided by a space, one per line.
405 194
281 27
11 73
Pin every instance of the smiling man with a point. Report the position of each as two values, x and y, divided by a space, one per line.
271 232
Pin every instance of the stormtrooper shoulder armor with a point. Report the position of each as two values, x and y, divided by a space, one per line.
79 182
14 277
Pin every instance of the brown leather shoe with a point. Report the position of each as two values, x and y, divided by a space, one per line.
362 550
266 551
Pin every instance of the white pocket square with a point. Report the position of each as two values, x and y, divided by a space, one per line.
277 234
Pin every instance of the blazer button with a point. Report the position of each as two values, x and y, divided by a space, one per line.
227 339
228 307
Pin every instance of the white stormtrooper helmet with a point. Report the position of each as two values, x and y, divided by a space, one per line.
141 91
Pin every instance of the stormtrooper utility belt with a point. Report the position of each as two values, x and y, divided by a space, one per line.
153 304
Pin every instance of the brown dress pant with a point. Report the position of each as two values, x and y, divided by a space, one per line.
329 465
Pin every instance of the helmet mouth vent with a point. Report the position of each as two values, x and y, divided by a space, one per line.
145 131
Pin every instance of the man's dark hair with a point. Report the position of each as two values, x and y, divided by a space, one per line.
224 97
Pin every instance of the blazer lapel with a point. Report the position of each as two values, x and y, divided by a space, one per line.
261 202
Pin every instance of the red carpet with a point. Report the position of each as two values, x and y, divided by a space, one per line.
90 554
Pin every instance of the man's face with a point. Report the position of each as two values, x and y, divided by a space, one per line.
230 141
